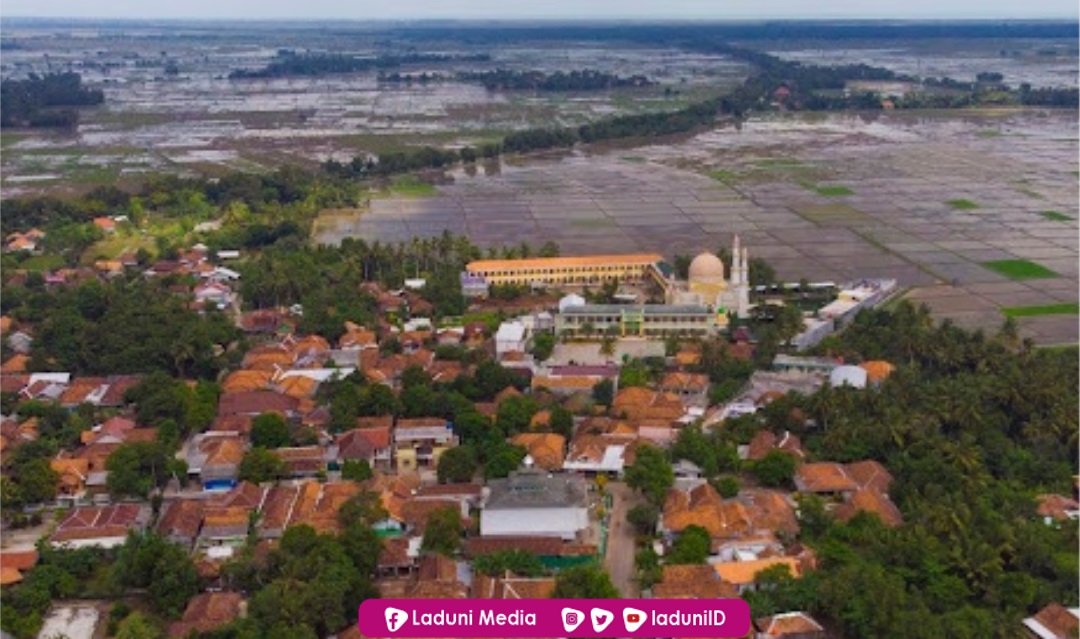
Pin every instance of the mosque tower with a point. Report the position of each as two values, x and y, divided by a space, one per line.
742 289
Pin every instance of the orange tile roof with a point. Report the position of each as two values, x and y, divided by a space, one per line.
268 361
541 419
310 343
744 572
565 262
688 356
246 380
226 516
1056 506
824 477
15 364
1058 619
78 468
877 370
206 612
9 576
79 389
698 581
223 450
298 386
871 501
358 338
704 507
19 559
870 474
546 449
562 382
770 510
685 382
506 394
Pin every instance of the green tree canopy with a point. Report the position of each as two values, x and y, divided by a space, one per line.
584 582
457 465
691 547
260 465
442 534
651 473
269 430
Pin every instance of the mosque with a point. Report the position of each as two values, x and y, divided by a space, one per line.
702 302
706 285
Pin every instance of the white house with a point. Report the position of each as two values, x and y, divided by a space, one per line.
510 338
214 294
533 503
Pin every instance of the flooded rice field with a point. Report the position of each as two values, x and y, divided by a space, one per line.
155 120
1041 63
832 198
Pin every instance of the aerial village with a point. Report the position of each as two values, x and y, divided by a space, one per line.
584 445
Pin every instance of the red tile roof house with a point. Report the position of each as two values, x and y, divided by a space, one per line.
370 441
181 521
1053 622
207 612
215 456
255 403
105 527
304 461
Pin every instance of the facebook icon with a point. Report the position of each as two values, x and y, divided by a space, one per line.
395 619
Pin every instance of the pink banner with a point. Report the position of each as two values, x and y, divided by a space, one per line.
552 618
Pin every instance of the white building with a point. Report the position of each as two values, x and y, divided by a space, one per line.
510 338
535 504
853 376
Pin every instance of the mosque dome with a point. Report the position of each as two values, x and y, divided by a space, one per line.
707 269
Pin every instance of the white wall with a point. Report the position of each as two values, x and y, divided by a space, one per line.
534 522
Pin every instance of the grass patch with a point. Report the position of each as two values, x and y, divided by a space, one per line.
961 204
41 263
1032 194
633 159
778 163
722 175
410 186
1067 308
111 246
1055 216
1020 269
832 190
989 133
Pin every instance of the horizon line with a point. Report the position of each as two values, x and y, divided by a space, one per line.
597 18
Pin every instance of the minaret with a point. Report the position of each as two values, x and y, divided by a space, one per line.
743 307
735 261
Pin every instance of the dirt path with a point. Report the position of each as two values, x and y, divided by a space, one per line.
619 559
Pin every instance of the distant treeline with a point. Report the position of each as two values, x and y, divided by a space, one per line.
669 34
802 82
805 84
585 80
508 80
290 63
646 125
45 101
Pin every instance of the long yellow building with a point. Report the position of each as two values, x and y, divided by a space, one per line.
591 269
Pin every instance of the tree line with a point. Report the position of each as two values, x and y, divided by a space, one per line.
289 63
45 101
583 80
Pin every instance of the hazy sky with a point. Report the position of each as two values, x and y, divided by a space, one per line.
465 9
